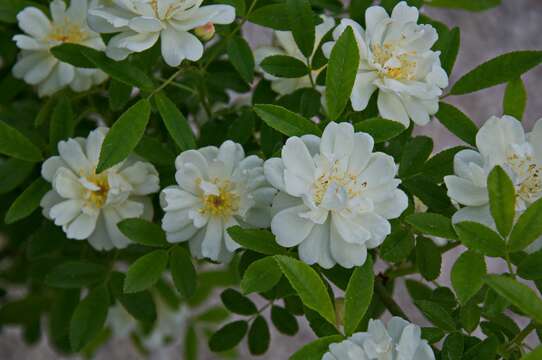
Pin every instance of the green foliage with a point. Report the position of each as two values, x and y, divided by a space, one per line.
123 137
143 232
515 99
175 122
183 272
467 275
480 238
75 274
241 57
503 68
341 73
145 271
358 296
308 285
285 121
262 275
89 317
284 66
502 199
527 229
14 143
301 21
27 202
457 122
380 129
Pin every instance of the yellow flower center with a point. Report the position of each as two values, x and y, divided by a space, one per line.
67 32
343 179
97 198
404 71
529 187
225 204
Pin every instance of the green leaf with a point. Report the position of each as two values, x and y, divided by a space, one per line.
467 275
75 274
452 349
431 194
380 129
358 296
397 246
485 350
143 232
12 173
441 164
436 314
503 68
241 58
301 21
432 224
515 99
122 71
119 94
357 10
140 304
62 122
284 321
518 294
308 285
285 121
469 315
262 275
480 238
457 122
316 349
242 129
10 8
228 336
191 340
341 73
15 144
530 267
183 271
63 305
536 354
414 154
27 202
502 199
428 258
528 227
284 66
89 318
124 135
449 47
258 336
145 271
72 54
261 241
271 16
478 5
237 303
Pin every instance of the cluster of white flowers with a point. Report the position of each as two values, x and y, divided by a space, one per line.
401 340
89 205
503 142
37 65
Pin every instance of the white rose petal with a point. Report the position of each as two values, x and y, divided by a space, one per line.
336 196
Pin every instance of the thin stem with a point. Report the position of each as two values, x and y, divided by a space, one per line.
180 86
386 298
166 83
516 341
509 265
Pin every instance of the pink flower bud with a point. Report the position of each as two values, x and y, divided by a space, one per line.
205 32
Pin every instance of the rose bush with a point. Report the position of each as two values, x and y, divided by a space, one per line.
151 159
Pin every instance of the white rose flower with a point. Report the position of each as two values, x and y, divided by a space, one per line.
400 341
37 65
139 24
396 59
89 205
286 45
336 196
217 188
503 142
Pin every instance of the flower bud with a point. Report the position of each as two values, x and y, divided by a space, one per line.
205 32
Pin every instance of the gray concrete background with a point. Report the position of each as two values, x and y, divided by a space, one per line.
515 25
